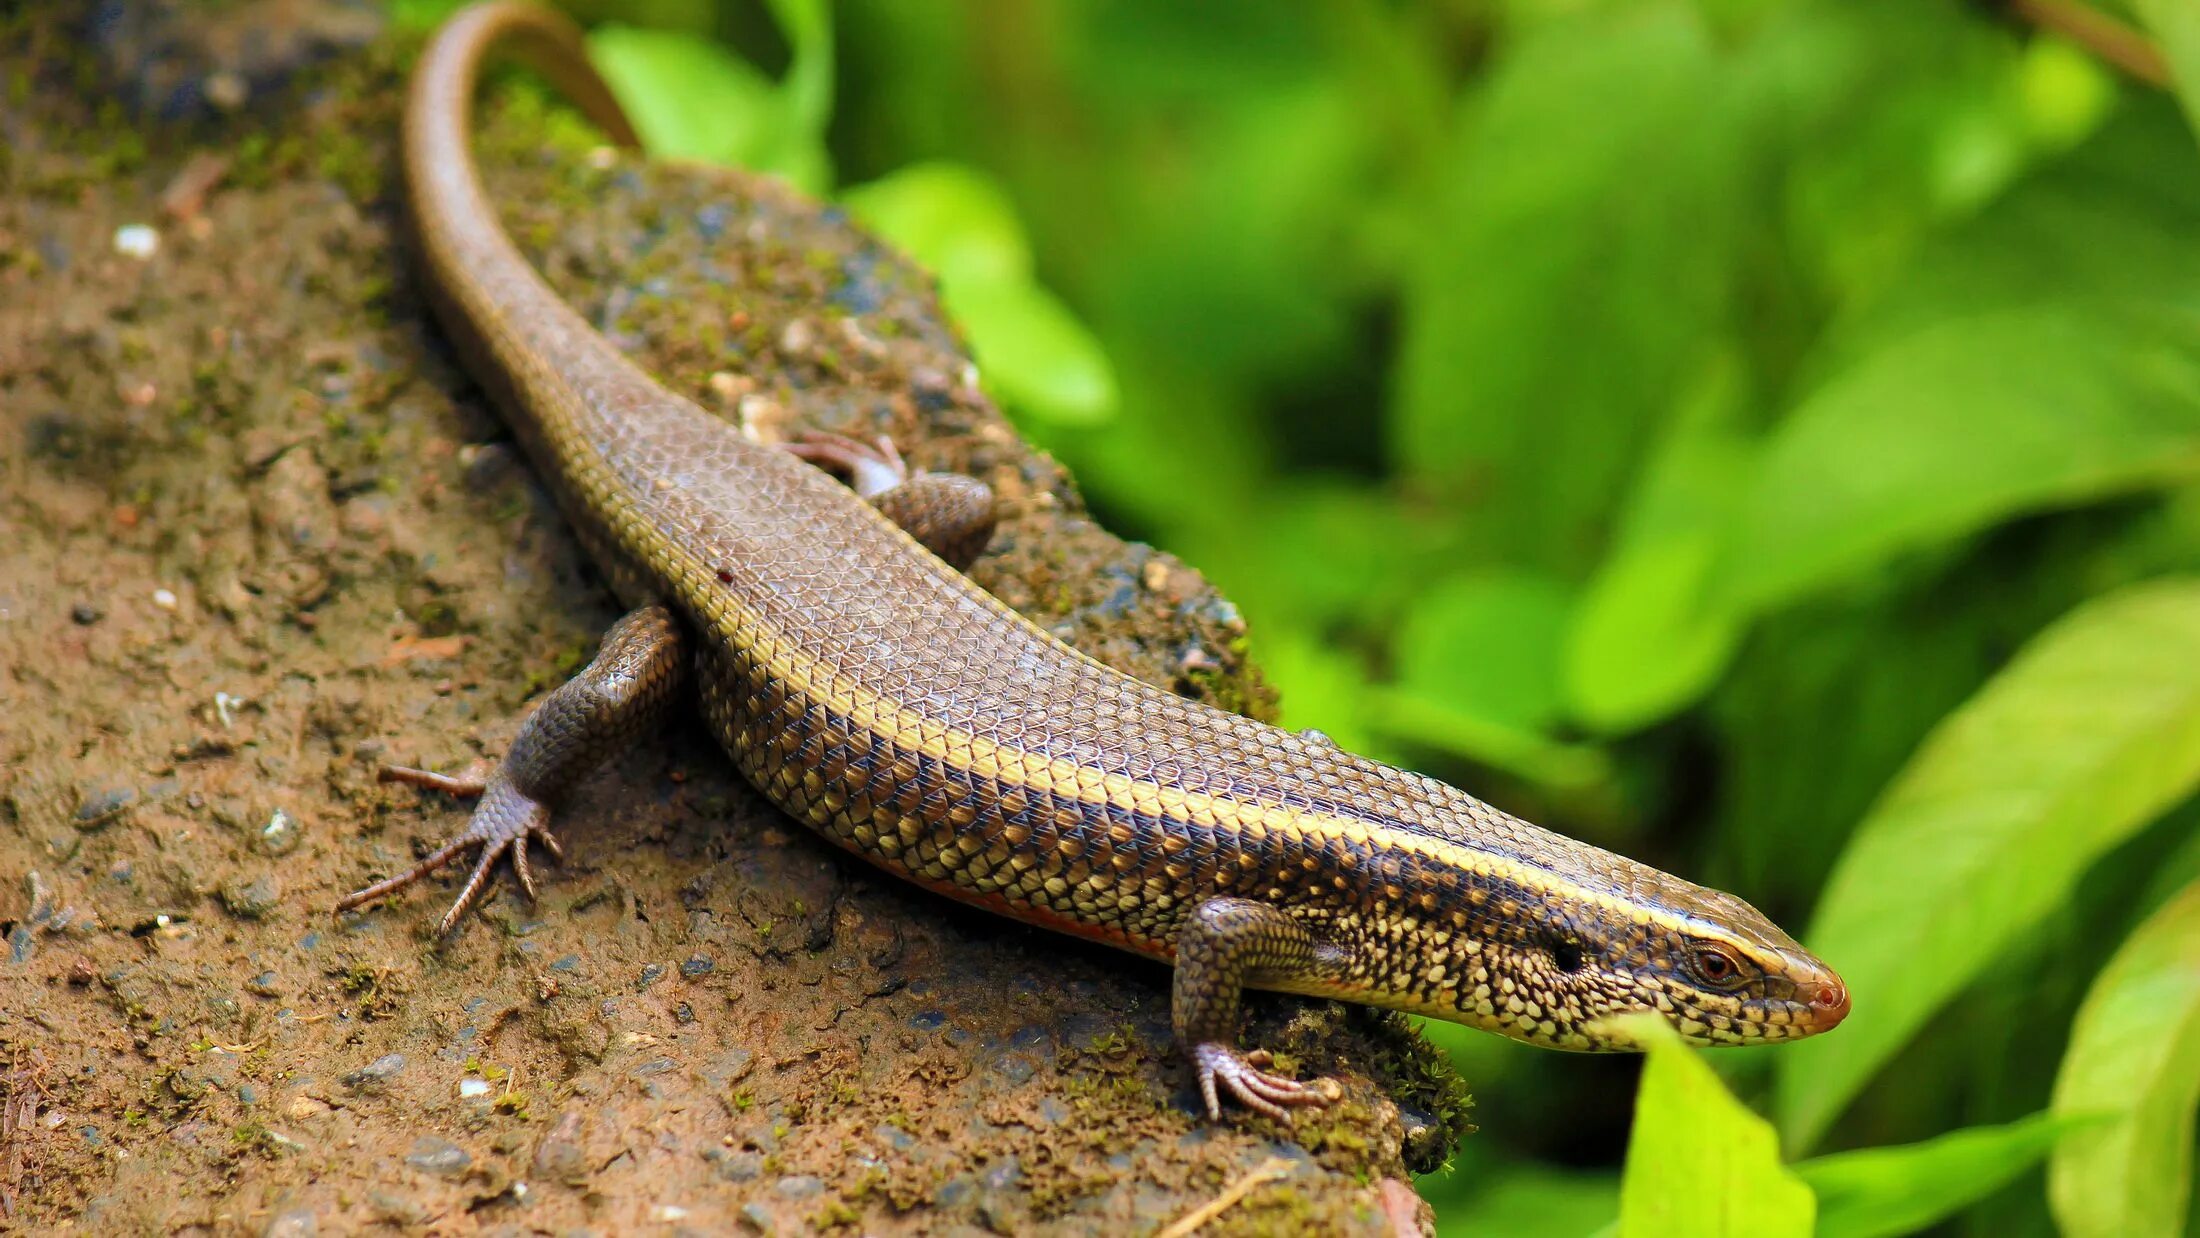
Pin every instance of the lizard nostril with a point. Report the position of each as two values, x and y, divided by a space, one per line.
1831 1000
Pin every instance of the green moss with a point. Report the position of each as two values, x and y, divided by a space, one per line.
356 165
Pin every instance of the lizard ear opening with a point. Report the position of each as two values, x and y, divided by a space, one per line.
1568 956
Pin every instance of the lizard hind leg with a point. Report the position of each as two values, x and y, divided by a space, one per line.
949 514
626 689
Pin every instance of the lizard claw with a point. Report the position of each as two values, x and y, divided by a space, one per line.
1252 1086
466 785
504 821
872 468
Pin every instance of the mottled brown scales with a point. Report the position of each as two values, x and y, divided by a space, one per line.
875 693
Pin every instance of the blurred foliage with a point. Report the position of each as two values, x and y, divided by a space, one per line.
2137 1040
1699 1162
1760 436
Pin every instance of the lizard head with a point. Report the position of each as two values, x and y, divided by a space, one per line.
1553 960
1717 969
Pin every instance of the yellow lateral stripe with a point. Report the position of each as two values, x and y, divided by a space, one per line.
812 678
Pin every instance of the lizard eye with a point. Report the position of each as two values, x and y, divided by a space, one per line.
1716 966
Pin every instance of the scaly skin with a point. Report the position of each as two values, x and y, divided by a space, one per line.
874 692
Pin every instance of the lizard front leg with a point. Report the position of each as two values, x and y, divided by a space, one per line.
1226 945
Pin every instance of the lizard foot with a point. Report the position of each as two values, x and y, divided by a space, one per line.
504 821
1252 1085
871 468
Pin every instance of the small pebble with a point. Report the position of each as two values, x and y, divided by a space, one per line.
1003 1174
252 900
188 1084
296 1223
756 1218
741 1166
264 985
164 598
393 1209
953 1193
559 1156
100 807
376 1074
281 835
138 241
226 90
798 1186
470 1088
651 974
440 1157
728 1068
894 1137
697 966
86 614
798 338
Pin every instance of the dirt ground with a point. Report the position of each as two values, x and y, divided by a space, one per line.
260 535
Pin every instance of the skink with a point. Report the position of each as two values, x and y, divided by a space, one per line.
868 688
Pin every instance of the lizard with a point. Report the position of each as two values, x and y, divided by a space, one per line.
860 681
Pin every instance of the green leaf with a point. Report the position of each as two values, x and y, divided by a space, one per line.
1488 643
422 15
1318 685
2041 355
1031 351
1580 246
1698 1161
1492 1198
808 86
1645 642
1646 638
949 216
2135 1050
1905 1189
1964 423
1405 715
2176 28
691 98
2090 733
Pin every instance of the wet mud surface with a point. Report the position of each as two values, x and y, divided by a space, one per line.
260 535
